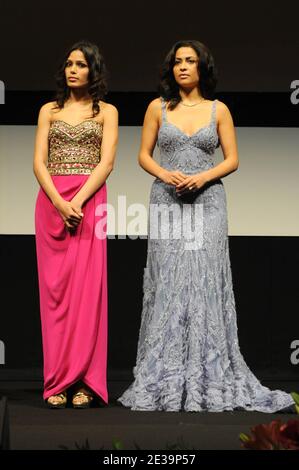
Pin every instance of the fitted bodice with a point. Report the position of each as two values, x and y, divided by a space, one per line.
187 153
74 149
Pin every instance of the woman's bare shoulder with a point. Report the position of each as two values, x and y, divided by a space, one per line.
46 111
155 104
49 108
222 112
108 108
222 107
154 108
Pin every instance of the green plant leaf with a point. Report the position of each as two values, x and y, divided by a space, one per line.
295 397
117 444
244 437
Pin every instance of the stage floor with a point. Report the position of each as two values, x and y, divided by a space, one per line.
33 426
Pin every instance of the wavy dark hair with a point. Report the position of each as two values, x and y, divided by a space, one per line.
168 87
97 77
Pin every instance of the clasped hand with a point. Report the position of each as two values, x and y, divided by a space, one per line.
184 182
71 213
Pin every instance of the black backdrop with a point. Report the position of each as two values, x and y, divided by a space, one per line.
255 44
265 276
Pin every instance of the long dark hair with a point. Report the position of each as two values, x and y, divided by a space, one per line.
97 77
168 87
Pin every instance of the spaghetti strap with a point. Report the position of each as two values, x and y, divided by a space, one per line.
163 105
213 117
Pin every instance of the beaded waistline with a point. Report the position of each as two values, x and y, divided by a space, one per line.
60 168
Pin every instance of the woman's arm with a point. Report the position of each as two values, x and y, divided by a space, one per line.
108 150
41 154
227 137
70 215
228 141
148 141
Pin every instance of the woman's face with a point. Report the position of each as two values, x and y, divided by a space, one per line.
185 69
76 70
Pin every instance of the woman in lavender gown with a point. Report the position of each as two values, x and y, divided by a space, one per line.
188 352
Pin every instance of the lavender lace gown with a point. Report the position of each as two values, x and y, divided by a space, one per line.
188 352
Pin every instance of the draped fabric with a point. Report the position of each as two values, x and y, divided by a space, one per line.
72 273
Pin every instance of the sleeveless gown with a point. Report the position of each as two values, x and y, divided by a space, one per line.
72 266
188 355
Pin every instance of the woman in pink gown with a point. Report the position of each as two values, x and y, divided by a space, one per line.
75 148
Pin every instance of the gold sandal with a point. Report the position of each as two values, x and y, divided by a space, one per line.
81 400
61 403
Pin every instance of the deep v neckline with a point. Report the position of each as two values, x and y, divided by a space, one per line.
184 133
169 123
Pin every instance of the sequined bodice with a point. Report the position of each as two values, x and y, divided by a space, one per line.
74 149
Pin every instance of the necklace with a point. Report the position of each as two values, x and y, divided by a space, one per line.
191 105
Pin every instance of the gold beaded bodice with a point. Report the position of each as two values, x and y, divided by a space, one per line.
76 149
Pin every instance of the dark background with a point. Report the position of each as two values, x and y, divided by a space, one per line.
265 277
255 44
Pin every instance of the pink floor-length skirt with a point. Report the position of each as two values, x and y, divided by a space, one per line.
72 273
